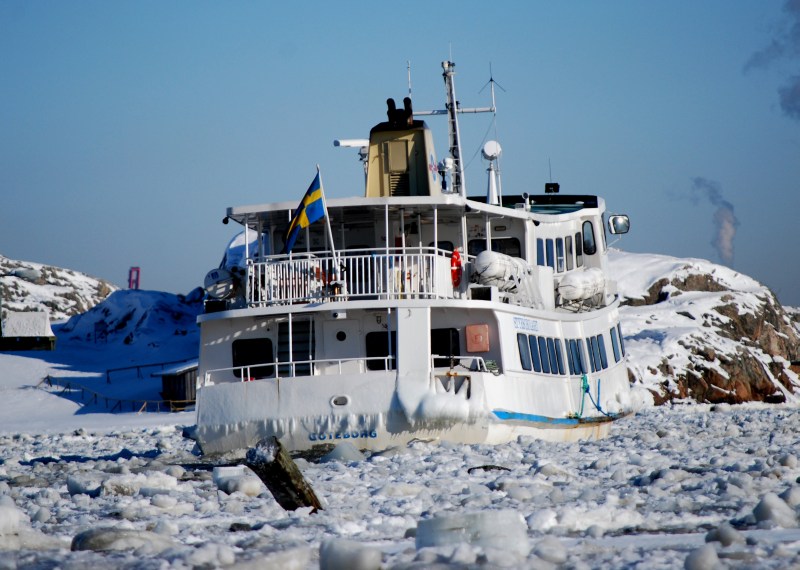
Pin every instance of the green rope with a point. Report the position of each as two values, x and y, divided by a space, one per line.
584 390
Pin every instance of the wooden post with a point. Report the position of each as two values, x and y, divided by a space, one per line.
270 461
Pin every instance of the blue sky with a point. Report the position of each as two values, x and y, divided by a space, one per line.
127 128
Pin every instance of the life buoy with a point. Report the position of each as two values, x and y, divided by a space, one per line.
456 270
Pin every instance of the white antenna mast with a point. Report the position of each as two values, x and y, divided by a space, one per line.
408 67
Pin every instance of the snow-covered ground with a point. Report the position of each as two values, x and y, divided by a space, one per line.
688 485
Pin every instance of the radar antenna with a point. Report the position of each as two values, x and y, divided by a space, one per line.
491 83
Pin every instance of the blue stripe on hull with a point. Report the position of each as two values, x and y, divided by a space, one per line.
552 422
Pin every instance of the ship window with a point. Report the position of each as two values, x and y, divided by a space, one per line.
251 352
596 353
578 356
568 247
570 355
540 252
603 233
560 255
615 344
444 342
551 350
543 352
524 351
507 246
559 355
621 342
578 250
378 349
602 345
550 256
590 344
537 361
445 245
589 245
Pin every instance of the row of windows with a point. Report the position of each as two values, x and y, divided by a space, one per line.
559 254
544 354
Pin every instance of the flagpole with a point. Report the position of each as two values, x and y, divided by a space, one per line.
328 221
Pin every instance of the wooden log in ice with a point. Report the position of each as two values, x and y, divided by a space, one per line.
273 465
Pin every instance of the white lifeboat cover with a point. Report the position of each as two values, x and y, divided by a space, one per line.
580 285
500 270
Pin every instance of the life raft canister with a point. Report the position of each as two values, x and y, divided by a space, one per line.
456 270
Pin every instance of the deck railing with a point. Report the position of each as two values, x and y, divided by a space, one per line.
289 369
394 273
336 366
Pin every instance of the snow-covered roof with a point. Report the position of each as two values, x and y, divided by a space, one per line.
177 369
29 324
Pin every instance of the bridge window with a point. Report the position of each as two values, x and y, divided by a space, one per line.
589 243
578 250
560 255
570 253
540 252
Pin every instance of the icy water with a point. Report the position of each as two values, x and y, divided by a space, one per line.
684 486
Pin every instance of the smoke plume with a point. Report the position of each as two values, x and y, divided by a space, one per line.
784 46
725 221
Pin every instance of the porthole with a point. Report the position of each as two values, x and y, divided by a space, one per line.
341 335
340 401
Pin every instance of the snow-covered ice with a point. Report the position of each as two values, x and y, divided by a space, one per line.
672 485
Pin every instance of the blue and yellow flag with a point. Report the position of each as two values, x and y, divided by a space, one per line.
310 210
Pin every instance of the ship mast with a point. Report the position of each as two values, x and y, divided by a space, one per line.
452 109
459 184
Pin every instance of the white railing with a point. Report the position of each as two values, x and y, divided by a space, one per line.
289 369
356 365
393 273
469 363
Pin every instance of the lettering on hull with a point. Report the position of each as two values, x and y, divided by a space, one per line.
343 435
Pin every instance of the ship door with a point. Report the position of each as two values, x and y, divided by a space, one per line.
342 347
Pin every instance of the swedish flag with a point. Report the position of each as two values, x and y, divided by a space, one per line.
311 209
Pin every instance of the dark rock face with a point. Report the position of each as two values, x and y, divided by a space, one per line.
755 363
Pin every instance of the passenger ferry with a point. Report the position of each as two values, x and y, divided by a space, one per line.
413 311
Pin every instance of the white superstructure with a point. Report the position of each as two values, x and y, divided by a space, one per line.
431 315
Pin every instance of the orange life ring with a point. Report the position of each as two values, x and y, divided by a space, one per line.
456 270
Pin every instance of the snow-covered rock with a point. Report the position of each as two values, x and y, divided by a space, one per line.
62 293
132 316
697 330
